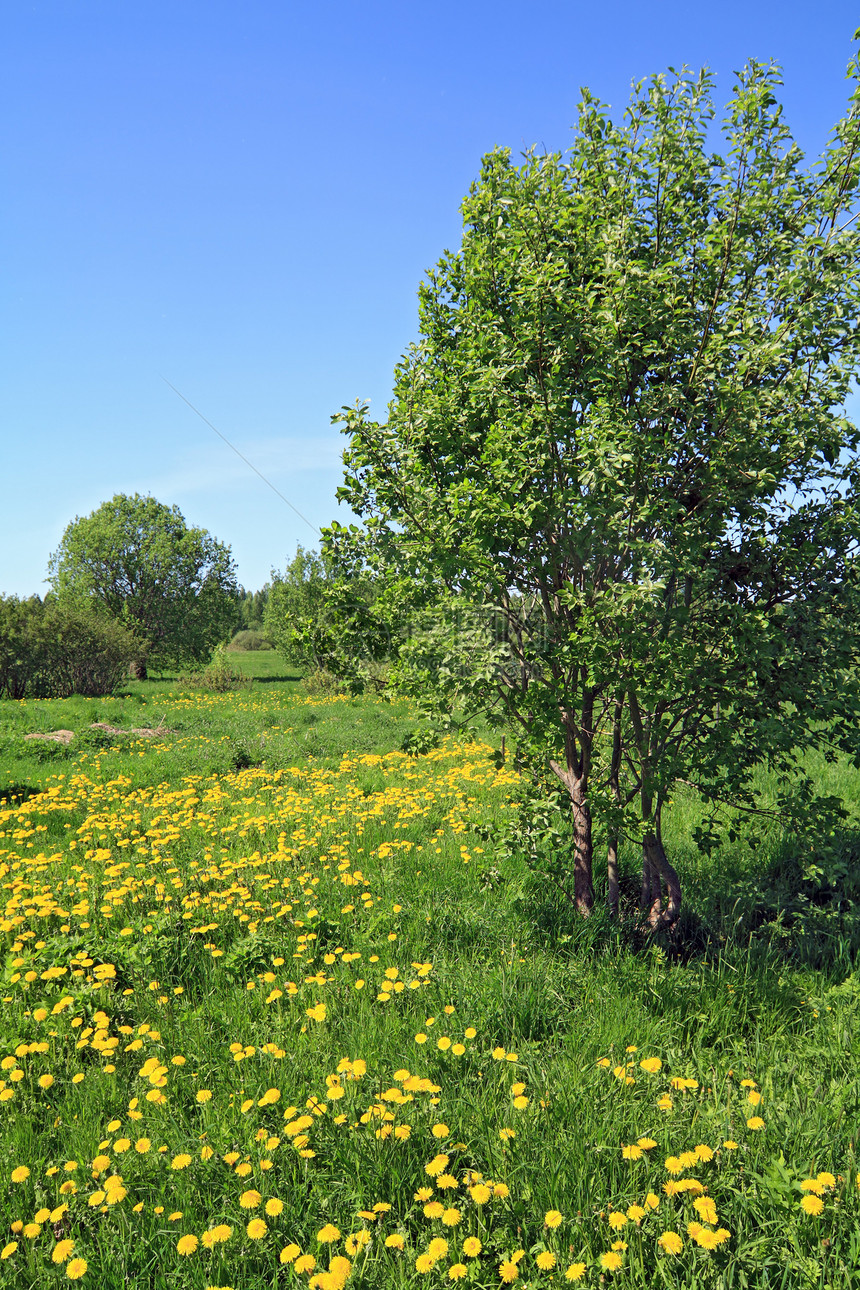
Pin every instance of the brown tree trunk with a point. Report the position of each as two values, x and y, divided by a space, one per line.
654 855
612 882
650 883
138 669
613 889
583 884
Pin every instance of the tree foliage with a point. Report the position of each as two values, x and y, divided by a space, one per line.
620 435
173 587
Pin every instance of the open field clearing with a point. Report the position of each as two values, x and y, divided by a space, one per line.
277 1014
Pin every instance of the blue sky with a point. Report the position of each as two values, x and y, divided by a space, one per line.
243 197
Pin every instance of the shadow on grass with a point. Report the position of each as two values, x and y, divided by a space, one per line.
13 794
787 903
269 680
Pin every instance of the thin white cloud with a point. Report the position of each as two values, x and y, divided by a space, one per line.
216 469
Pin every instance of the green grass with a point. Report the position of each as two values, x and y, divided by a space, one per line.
202 893
263 665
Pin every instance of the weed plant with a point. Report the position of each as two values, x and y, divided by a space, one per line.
278 1011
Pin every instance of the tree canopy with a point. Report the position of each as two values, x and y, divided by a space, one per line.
172 586
621 431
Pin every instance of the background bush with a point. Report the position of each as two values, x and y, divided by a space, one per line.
249 639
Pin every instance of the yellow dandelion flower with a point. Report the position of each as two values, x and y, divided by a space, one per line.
611 1261
457 1271
755 1122
187 1244
812 1205
274 1207
706 1209
670 1242
508 1271
472 1247
552 1218
395 1241
327 1234
289 1253
62 1250
250 1199
546 1260
21 1174
575 1272
256 1229
75 1268
706 1238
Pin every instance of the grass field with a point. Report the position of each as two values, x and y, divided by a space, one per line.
278 1011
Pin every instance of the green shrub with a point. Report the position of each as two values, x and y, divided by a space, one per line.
249 640
22 640
48 650
219 675
86 653
322 681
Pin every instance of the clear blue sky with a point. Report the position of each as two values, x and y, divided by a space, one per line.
242 198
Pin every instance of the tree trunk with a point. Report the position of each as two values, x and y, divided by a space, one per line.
583 884
650 883
138 669
612 885
654 855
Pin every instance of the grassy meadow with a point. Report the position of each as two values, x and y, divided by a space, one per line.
279 1012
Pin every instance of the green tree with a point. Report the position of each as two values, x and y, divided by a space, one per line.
173 587
620 433
324 612
252 608
293 615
